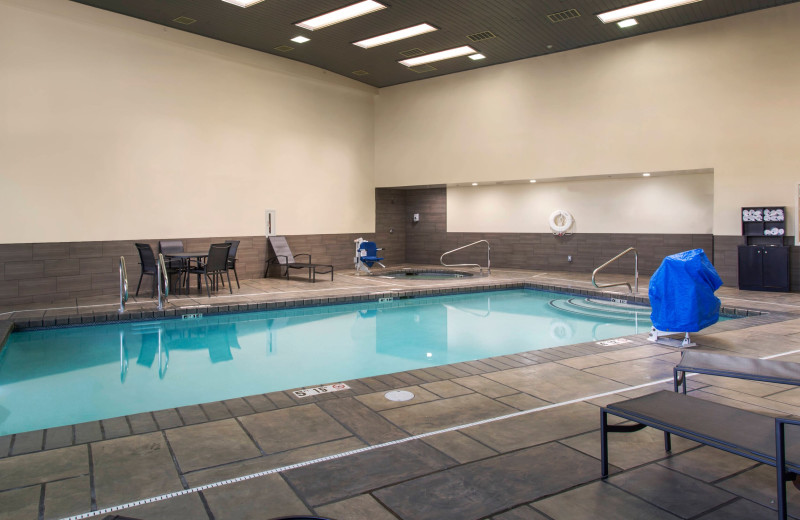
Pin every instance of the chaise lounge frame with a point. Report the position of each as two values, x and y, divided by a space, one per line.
284 258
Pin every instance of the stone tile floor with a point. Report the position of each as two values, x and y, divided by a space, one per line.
539 465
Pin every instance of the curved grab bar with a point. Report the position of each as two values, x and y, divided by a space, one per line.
635 271
123 284
162 274
488 257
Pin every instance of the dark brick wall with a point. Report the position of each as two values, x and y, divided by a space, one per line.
62 272
390 224
426 240
726 258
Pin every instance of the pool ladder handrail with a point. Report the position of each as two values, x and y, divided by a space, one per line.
635 271
123 284
488 257
162 274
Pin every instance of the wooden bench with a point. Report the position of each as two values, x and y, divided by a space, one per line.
766 370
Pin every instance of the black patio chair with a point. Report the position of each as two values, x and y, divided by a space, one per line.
148 262
175 266
232 259
216 265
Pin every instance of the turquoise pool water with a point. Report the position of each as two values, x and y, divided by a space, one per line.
65 376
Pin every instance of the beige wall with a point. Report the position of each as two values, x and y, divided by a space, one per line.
670 204
115 128
720 95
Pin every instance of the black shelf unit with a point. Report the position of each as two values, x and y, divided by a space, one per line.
764 259
764 225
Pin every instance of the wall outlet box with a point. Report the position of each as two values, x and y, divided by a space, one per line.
415 218
569 258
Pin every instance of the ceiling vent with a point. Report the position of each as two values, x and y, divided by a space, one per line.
184 20
422 68
284 48
485 35
360 73
563 15
410 53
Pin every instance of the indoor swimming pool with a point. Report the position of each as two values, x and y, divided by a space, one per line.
71 375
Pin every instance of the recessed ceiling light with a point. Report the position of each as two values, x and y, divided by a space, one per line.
477 57
438 56
243 3
645 175
340 15
300 39
643 8
474 183
401 34
630 22
533 180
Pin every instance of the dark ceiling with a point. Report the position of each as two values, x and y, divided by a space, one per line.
520 29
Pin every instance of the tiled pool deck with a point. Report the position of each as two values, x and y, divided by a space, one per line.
543 464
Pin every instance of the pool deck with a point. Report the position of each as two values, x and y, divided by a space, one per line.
459 449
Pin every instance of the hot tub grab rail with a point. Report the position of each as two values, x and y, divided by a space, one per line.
488 257
635 271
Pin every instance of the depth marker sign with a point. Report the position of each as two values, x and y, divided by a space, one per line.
307 392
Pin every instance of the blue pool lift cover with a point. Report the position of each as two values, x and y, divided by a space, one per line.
682 293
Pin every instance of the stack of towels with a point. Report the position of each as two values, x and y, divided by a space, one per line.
775 215
774 231
753 215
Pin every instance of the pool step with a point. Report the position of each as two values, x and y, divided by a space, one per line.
601 309
147 327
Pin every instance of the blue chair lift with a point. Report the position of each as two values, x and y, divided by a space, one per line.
366 255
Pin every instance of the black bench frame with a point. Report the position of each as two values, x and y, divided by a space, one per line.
785 472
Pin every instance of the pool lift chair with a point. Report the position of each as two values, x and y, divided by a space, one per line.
366 255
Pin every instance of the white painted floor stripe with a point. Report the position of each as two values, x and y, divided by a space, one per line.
221 483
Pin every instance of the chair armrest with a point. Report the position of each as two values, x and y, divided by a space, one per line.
275 258
304 254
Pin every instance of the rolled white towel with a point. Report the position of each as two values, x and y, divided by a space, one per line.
781 231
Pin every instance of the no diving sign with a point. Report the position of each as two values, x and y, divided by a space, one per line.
307 392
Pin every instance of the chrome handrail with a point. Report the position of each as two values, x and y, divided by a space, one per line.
635 271
488 258
123 284
162 273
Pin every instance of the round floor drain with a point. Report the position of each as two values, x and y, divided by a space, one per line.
399 395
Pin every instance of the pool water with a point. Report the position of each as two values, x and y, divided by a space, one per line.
56 377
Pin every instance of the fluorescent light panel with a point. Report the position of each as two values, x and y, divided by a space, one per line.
630 22
243 3
477 57
643 8
402 34
439 56
340 15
